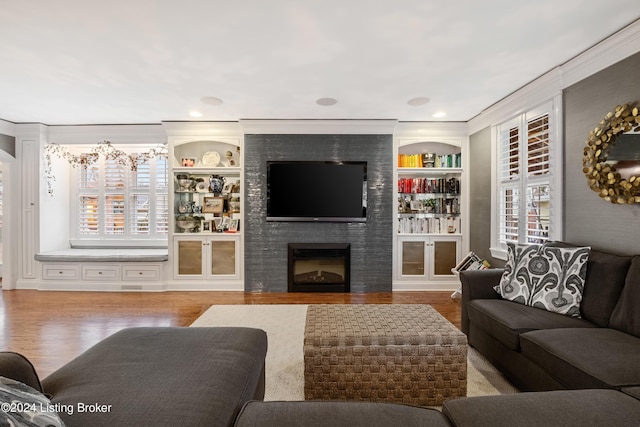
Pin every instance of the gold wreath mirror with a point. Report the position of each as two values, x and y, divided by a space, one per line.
611 159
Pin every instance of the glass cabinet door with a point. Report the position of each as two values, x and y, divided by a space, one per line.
413 258
445 256
223 257
189 257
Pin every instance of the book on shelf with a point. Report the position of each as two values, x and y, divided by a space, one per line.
413 225
426 160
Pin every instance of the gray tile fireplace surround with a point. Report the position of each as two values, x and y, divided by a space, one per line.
266 243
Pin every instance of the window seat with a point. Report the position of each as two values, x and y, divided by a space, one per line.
105 255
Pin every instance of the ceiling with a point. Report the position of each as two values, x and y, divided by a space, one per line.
147 61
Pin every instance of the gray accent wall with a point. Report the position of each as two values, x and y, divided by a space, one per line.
480 195
265 250
590 220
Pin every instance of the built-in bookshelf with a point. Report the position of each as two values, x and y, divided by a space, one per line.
429 212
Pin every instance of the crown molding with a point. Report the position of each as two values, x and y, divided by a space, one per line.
117 134
306 127
615 48
7 128
202 129
431 130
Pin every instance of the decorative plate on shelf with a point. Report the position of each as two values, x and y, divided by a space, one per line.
211 159
201 187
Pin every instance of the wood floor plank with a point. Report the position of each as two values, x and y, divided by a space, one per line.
51 328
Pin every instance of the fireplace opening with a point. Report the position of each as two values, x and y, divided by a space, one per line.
319 267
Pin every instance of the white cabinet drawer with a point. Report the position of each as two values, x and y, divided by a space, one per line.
100 272
61 271
141 272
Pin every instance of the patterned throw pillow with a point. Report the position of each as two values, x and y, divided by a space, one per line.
25 406
546 277
560 275
515 284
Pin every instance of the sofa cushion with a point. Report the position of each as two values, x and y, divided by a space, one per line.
632 391
605 280
547 277
337 414
163 376
585 357
626 315
566 408
506 320
25 406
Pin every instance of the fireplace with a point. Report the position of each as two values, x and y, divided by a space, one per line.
319 267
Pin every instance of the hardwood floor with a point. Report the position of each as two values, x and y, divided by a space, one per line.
51 328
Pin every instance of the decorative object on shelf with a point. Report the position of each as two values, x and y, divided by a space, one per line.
188 162
603 177
229 156
186 223
206 226
211 159
185 183
201 187
213 205
217 224
104 149
234 205
234 225
216 183
429 160
185 207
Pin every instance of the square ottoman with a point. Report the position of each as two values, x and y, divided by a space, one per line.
405 353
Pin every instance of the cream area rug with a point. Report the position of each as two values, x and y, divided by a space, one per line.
284 325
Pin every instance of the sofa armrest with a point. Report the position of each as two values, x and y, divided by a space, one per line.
18 368
477 284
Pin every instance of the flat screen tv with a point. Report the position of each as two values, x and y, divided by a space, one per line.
317 191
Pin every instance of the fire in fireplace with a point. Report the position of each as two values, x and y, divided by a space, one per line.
319 267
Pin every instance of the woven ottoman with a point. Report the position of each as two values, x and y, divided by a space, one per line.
406 353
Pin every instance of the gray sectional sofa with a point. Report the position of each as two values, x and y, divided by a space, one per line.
539 350
215 376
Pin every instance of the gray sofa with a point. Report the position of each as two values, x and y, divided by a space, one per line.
154 377
539 350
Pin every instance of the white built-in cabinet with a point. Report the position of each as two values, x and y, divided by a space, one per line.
206 206
430 211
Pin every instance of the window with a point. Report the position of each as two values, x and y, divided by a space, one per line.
113 202
527 183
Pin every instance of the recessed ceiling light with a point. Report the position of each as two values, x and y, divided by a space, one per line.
439 114
195 114
420 100
326 102
211 100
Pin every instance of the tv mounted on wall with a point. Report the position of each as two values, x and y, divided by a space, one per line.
330 191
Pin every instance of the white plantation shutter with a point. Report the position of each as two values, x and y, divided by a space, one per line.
524 208
89 215
114 202
538 145
139 214
509 213
114 214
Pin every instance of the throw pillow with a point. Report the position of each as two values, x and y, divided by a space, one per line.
558 279
25 406
547 277
515 283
